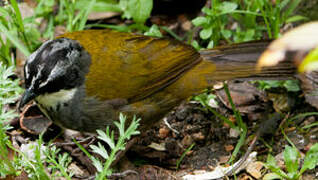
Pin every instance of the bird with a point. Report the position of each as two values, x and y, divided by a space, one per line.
83 80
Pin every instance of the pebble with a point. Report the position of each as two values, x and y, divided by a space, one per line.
187 141
254 169
198 136
234 133
229 148
163 132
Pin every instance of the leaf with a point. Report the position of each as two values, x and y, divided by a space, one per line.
84 15
195 44
140 10
4 12
271 176
98 165
311 159
270 84
291 160
102 136
226 33
206 33
102 6
249 35
153 31
227 7
14 39
100 149
291 7
292 85
295 18
210 45
199 21
18 15
208 11
271 164
132 129
183 155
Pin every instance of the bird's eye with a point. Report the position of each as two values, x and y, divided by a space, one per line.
72 76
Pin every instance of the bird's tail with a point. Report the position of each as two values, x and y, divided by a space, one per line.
239 61
229 62
222 63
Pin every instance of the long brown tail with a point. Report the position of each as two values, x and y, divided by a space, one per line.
239 61
222 63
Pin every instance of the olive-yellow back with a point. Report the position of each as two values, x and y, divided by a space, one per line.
154 74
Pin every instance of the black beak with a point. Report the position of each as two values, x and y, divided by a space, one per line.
26 97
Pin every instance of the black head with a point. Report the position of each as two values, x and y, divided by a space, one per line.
59 64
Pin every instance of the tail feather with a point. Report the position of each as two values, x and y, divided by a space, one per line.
239 62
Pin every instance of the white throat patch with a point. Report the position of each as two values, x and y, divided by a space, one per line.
53 99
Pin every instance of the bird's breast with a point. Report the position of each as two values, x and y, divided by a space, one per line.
50 103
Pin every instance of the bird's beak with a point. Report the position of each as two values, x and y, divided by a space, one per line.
27 96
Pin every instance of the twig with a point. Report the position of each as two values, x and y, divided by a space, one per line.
169 126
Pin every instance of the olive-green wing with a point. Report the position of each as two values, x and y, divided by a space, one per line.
132 66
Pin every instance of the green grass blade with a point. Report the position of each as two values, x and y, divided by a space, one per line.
17 14
84 17
14 40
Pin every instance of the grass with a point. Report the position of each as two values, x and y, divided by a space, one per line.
241 126
183 155
12 27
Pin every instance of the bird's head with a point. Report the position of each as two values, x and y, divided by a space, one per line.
58 66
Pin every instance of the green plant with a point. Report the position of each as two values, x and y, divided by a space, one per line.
58 163
183 155
276 14
9 93
43 162
74 18
304 115
292 163
69 14
153 31
104 169
214 22
13 28
240 126
222 14
31 158
237 21
137 10
204 99
24 34
289 85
